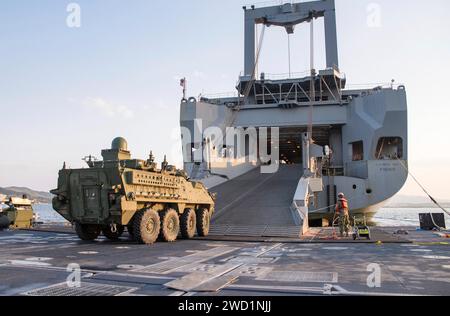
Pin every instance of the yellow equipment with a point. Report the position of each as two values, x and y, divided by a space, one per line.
19 213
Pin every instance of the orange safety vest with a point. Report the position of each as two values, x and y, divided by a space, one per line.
342 206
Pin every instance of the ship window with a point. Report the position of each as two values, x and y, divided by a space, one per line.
357 151
389 148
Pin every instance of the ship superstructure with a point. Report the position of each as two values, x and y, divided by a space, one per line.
344 140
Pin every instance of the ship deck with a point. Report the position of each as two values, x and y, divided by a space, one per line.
35 263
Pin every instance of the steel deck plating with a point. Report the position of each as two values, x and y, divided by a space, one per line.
35 263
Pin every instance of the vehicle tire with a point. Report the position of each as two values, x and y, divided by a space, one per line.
203 222
146 226
87 232
188 224
131 232
113 236
170 225
4 222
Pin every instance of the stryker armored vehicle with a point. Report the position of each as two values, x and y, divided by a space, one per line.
120 192
18 214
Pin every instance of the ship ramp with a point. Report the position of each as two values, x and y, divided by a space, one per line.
258 205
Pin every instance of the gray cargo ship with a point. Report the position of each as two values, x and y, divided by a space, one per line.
332 137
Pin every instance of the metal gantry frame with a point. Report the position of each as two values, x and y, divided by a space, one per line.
290 92
288 16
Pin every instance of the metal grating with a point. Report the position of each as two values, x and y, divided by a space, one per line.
256 231
252 260
249 231
300 276
163 267
288 232
86 289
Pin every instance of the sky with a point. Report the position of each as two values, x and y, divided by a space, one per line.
66 92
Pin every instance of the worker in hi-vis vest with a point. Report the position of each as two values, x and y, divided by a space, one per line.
342 211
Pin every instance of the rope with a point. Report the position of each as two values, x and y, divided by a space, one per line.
258 54
436 225
423 188
333 205
289 54
428 194
246 92
420 185
249 84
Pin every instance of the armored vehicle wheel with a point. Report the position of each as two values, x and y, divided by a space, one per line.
203 221
4 222
188 224
146 226
87 232
131 232
114 236
170 225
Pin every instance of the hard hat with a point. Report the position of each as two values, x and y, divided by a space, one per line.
341 195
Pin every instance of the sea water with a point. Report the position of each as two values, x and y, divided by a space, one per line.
385 217
47 215
405 216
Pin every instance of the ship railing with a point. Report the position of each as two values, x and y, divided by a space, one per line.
298 94
223 95
293 75
333 171
281 76
264 4
374 86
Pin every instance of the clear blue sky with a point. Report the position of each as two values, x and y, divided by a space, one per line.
65 92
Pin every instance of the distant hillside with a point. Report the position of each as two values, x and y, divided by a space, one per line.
404 201
37 196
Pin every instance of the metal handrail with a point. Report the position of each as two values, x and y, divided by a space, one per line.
373 86
293 75
263 4
221 95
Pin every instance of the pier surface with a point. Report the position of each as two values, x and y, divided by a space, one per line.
36 263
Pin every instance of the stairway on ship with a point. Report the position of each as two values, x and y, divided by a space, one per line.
257 205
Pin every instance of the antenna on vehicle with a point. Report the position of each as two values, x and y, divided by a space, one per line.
90 160
164 164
